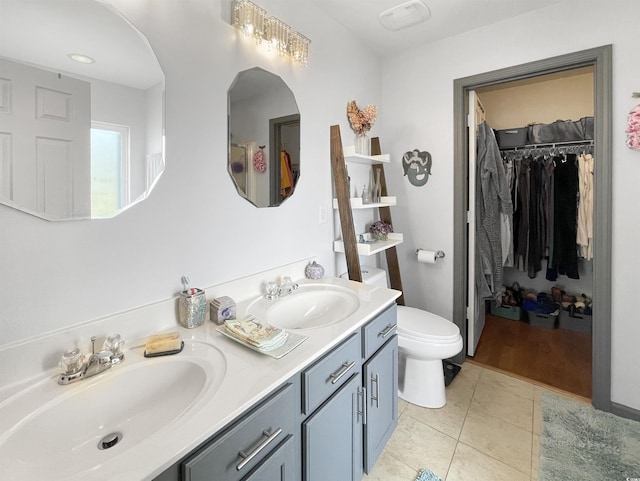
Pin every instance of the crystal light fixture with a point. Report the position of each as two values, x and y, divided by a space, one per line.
249 19
299 48
253 22
278 35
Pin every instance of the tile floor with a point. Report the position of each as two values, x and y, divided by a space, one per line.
489 430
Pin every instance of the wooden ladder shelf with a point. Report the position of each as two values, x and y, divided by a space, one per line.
346 216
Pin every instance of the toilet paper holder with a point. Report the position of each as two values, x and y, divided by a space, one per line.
439 254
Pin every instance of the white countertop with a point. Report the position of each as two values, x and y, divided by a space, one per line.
249 376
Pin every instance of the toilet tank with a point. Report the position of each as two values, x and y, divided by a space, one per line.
371 275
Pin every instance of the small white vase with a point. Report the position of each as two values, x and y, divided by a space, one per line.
363 147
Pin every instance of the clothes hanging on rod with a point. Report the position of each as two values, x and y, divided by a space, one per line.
492 199
585 207
563 258
506 220
548 222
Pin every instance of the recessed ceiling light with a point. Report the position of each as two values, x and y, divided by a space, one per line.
405 15
78 57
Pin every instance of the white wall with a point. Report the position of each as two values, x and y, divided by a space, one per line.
417 93
55 275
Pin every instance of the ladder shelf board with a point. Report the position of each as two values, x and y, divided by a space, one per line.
356 203
351 156
368 249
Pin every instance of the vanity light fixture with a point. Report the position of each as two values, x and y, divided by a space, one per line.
81 58
277 37
253 22
250 19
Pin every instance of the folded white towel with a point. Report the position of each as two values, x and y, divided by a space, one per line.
261 335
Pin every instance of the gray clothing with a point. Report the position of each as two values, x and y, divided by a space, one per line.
492 199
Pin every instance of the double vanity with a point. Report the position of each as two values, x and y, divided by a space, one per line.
217 410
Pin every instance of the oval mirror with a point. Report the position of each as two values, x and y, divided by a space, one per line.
81 110
264 138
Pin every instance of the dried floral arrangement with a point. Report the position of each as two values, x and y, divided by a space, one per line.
361 120
380 229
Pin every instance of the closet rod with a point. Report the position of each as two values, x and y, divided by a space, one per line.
549 145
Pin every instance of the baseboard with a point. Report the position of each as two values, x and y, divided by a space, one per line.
625 411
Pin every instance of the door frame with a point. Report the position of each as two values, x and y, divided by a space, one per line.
601 60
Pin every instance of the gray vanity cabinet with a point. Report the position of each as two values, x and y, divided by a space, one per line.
280 465
330 422
343 438
261 445
380 376
332 436
333 401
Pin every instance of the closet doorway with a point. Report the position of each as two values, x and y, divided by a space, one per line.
552 349
598 59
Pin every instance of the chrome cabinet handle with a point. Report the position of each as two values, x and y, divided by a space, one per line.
362 393
246 458
335 377
376 379
387 330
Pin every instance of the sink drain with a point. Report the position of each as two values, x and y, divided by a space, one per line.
110 440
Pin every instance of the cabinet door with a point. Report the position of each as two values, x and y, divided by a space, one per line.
279 466
381 380
332 436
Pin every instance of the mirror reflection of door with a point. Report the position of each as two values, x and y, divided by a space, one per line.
50 150
284 135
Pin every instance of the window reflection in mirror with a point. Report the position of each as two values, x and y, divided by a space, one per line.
264 138
53 164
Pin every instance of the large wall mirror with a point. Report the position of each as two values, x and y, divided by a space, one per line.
264 138
81 110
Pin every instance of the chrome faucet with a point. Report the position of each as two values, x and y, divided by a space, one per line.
73 367
275 291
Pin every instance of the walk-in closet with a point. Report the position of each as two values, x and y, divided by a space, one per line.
539 324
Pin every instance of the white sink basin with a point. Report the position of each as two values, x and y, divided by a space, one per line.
311 306
56 432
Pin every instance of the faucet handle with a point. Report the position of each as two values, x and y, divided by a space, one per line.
114 343
271 289
71 362
288 282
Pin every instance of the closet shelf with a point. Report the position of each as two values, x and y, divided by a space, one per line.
356 203
394 239
351 156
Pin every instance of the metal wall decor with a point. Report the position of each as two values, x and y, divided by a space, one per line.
417 166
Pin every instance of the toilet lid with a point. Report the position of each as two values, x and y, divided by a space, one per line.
420 324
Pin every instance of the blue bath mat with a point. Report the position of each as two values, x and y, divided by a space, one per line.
426 475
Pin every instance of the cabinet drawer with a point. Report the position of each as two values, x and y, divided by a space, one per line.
255 434
280 465
378 331
323 378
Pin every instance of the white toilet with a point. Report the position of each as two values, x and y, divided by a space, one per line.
424 340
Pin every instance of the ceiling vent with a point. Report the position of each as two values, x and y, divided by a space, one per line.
405 15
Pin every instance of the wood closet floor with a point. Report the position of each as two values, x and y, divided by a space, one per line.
559 358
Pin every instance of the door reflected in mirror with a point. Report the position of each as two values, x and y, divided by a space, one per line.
81 110
264 138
